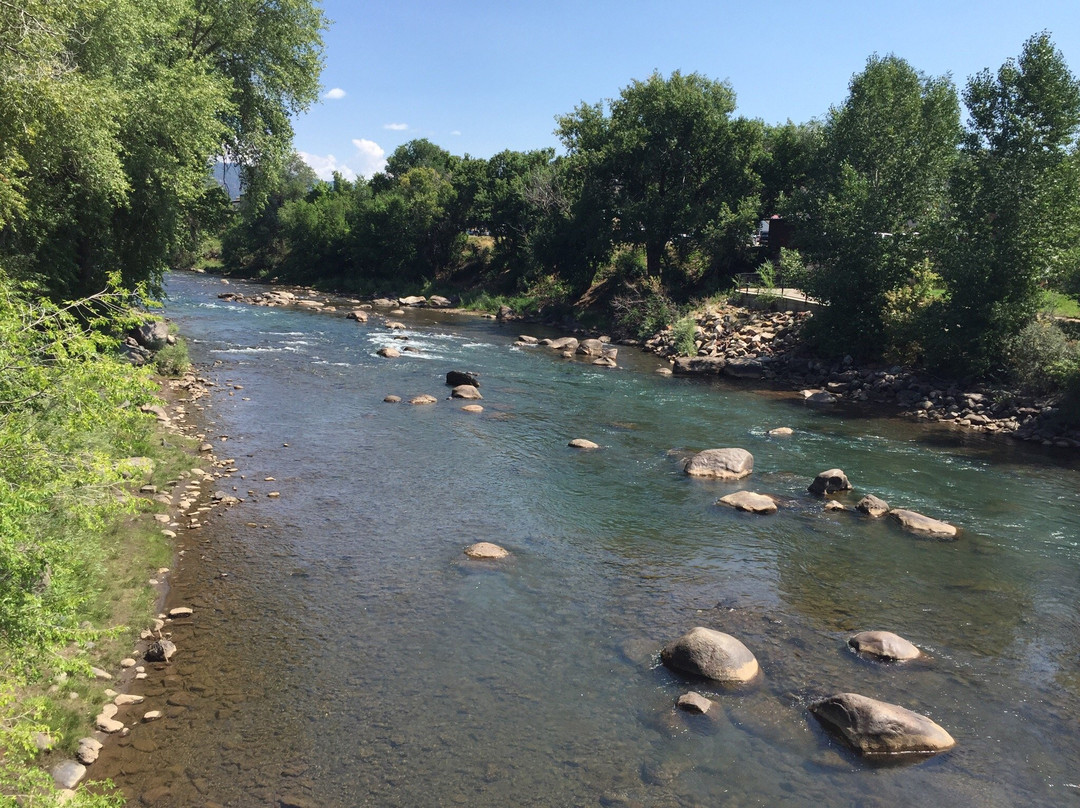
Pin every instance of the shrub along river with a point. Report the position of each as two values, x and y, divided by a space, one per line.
344 652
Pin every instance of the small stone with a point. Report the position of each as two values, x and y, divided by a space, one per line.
582 443
466 391
128 698
274 494
694 703
884 645
152 715
472 408
872 506
721 464
206 447
127 662
833 505
917 523
829 482
392 399
98 673
423 399
781 432
107 724
88 751
181 611
160 651
389 352
485 550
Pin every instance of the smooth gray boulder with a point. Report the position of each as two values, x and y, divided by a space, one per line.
884 645
721 464
153 335
590 347
749 501
68 774
713 655
388 352
694 703
485 551
563 344
466 391
745 367
705 365
583 443
877 729
829 482
872 506
917 523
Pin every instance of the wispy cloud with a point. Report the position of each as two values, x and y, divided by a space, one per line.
369 159
335 94
396 127
456 133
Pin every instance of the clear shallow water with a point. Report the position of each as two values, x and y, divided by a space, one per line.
353 656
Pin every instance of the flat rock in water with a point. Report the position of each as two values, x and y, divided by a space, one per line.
485 550
884 645
818 397
706 365
829 482
917 523
877 729
466 391
721 464
872 506
582 443
590 347
388 352
423 399
472 408
181 611
713 655
160 651
564 344
749 501
744 367
781 432
88 751
359 315
392 399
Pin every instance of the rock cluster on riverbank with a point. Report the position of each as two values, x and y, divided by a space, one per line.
748 344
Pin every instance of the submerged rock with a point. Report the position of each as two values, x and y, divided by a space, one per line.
712 654
485 550
917 523
388 352
829 482
877 729
884 645
423 399
721 464
582 443
694 703
781 432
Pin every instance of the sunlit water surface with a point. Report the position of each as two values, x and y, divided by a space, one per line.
352 656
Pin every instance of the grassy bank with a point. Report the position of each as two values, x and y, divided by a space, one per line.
77 543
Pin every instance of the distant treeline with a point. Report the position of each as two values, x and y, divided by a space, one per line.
930 240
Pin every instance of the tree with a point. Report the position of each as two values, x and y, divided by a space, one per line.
667 163
863 221
1015 213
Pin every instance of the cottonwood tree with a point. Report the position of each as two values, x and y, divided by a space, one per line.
880 187
1015 213
666 162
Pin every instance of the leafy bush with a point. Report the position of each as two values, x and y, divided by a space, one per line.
172 360
643 309
684 332
1043 359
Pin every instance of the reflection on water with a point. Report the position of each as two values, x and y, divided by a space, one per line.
353 656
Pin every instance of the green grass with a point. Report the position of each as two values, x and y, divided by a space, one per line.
1059 305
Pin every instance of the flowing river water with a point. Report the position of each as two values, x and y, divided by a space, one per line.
344 652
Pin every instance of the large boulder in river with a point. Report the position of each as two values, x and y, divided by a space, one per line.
466 391
878 729
712 654
412 300
749 501
459 377
917 523
563 344
705 365
745 367
884 645
721 464
829 482
872 506
590 347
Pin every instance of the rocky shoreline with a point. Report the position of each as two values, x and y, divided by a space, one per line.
748 344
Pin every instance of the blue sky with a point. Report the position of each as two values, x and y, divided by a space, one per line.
480 77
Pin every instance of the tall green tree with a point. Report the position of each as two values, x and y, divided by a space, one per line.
667 163
1015 203
864 219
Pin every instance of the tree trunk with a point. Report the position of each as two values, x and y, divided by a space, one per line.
654 251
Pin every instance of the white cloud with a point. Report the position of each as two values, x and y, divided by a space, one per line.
456 133
370 157
324 167
396 127
335 94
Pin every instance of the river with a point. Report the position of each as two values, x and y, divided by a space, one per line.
344 652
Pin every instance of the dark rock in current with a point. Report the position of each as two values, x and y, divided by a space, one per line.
160 651
745 367
705 365
455 378
829 482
